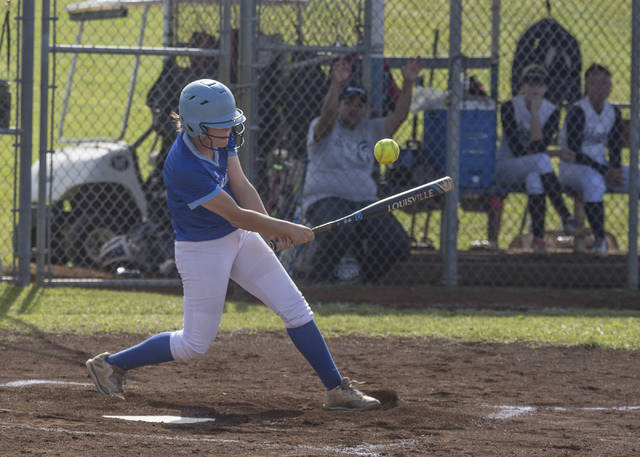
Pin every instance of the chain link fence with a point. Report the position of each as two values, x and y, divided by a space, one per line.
119 69
524 212
495 238
11 31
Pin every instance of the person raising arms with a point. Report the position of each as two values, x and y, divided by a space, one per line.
340 175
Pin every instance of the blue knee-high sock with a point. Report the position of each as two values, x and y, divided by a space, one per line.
311 344
151 351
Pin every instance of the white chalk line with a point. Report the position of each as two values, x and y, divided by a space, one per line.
602 408
364 450
508 411
32 382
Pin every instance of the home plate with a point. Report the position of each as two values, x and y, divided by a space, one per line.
164 419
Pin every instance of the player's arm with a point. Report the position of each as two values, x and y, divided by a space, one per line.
248 219
244 192
340 72
548 130
409 72
614 141
249 213
510 129
575 135
535 130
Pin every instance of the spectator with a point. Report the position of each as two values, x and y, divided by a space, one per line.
529 123
592 125
340 176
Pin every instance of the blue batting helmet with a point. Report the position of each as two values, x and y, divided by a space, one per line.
208 103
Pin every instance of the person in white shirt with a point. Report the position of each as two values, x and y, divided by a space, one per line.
593 126
529 123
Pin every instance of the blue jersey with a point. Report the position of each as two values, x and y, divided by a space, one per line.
191 178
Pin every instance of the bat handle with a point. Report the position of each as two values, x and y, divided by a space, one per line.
273 244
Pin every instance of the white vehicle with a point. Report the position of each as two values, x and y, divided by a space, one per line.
97 193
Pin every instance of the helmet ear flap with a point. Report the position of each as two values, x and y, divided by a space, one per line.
185 125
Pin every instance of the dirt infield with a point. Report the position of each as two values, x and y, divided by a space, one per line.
454 399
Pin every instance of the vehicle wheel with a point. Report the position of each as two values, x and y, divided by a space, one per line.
99 212
85 236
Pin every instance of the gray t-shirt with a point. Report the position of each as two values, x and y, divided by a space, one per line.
340 164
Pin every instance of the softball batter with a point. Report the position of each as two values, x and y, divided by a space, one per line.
218 218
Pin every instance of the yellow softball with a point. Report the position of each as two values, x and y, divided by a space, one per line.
386 151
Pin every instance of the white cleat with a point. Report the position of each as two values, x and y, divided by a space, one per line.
347 397
109 379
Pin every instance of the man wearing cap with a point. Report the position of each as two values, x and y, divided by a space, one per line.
529 123
340 176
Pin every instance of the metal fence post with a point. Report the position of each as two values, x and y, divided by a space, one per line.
26 122
450 219
225 43
373 56
167 23
246 92
495 47
42 146
634 143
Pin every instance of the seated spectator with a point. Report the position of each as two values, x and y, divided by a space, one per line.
591 127
340 176
529 123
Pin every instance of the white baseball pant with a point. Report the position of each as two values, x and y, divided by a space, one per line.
205 268
589 182
525 169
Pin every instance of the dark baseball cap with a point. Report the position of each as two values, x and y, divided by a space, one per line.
537 75
351 90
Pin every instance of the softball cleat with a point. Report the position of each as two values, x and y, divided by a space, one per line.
347 397
109 379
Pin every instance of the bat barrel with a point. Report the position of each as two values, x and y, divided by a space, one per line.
410 196
386 205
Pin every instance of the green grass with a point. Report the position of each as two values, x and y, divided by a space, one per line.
87 311
601 26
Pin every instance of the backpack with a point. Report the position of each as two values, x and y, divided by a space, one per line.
549 44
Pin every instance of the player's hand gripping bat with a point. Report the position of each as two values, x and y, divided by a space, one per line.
387 205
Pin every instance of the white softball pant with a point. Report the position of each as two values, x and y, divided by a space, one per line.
586 180
205 268
525 169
